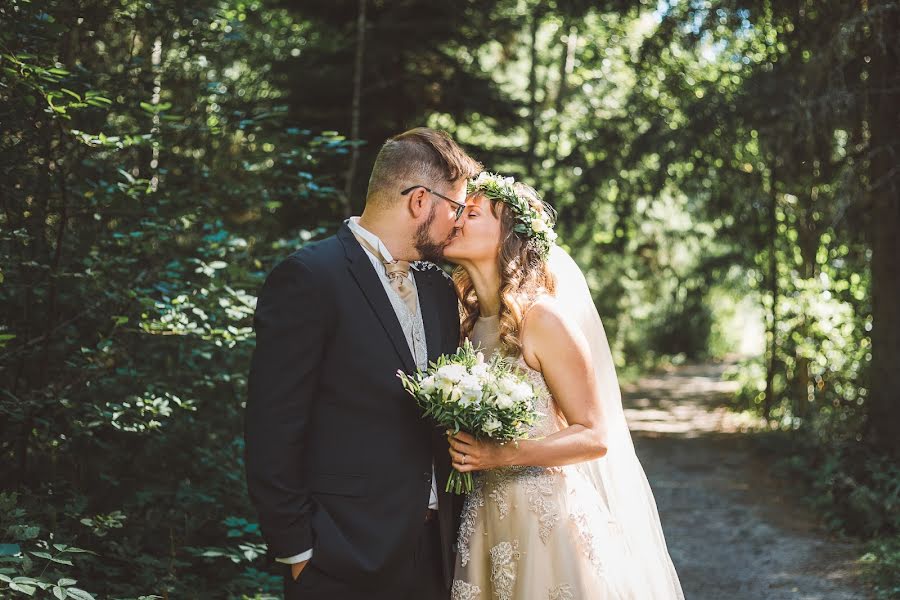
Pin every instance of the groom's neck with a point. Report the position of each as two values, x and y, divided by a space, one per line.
390 232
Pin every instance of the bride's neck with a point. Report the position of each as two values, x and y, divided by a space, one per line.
486 280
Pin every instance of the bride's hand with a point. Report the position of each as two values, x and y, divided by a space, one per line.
469 454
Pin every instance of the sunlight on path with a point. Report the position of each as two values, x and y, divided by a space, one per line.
733 530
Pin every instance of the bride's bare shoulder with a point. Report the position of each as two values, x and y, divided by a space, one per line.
544 325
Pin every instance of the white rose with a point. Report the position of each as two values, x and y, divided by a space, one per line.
468 399
452 373
506 384
551 235
508 181
504 401
521 393
448 389
480 371
469 383
491 425
428 384
469 390
538 225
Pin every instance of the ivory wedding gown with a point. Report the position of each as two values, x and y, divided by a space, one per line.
540 533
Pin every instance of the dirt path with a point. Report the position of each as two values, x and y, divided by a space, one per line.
734 531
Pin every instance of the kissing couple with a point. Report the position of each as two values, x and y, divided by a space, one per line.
346 474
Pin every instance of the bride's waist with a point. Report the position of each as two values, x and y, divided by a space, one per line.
518 472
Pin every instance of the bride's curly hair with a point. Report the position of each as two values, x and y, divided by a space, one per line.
524 274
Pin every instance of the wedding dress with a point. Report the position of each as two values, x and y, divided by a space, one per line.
583 531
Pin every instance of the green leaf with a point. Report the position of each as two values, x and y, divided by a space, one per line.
72 550
59 592
22 587
127 175
79 594
156 108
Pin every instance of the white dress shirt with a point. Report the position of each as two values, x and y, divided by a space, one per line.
413 330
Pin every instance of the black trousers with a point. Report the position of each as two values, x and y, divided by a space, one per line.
428 584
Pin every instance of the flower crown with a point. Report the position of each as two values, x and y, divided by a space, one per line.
534 224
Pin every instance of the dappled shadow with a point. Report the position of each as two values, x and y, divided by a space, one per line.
688 401
734 529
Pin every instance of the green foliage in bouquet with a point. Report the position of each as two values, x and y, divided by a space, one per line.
462 392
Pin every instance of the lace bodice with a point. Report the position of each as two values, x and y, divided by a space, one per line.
547 421
486 333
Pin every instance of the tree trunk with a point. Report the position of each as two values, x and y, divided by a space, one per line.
569 42
772 337
808 240
883 100
530 157
355 110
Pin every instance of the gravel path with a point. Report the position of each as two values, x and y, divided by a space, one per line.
734 531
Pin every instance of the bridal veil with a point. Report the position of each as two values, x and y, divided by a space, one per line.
645 570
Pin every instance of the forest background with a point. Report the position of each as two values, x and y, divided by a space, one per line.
726 173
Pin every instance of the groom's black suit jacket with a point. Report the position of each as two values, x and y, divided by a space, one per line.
337 454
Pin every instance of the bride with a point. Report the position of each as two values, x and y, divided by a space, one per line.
566 514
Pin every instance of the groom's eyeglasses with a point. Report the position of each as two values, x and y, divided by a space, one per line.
460 206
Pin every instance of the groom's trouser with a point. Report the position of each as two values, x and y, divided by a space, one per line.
428 584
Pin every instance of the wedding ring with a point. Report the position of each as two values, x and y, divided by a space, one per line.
464 459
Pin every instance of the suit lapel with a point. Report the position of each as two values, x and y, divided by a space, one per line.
367 279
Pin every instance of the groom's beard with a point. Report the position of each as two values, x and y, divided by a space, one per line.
429 250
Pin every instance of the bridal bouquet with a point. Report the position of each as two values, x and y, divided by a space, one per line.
462 392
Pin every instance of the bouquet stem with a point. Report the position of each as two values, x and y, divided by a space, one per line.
459 483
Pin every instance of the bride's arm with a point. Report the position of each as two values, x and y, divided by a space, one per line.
555 346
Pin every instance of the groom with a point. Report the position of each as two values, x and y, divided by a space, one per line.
346 476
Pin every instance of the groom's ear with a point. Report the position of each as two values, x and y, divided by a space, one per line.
417 203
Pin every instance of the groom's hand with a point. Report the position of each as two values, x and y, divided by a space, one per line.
297 568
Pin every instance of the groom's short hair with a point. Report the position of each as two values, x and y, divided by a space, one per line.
420 156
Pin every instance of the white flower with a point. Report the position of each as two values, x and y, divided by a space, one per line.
521 393
508 181
469 383
481 371
504 401
452 373
483 178
538 225
506 384
448 390
470 390
428 384
551 236
491 425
